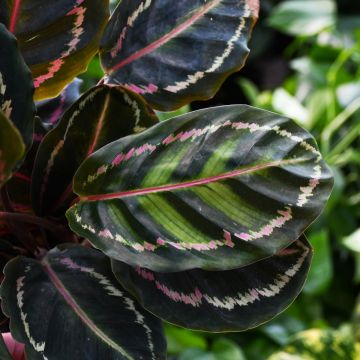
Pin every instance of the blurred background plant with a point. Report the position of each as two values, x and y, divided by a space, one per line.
305 64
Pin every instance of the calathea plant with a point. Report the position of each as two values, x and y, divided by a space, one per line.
197 220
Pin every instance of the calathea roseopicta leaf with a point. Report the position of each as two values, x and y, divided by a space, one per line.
215 189
173 52
16 86
12 147
100 116
4 353
50 111
232 300
58 39
56 318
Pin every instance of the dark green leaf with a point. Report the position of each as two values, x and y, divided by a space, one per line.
216 189
58 39
173 52
69 306
12 147
51 111
100 116
16 87
232 300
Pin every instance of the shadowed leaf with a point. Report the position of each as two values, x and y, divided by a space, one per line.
12 148
97 320
232 300
16 86
58 39
100 116
174 52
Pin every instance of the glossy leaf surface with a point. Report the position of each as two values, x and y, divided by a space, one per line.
12 147
173 52
232 300
100 116
58 39
214 189
58 319
16 86
50 111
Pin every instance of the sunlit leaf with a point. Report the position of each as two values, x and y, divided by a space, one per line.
215 189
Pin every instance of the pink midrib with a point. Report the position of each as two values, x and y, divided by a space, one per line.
14 15
188 184
74 305
164 39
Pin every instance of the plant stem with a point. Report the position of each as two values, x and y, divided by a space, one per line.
46 224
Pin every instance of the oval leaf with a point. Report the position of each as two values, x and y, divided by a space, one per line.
100 116
50 111
214 189
16 86
69 306
58 39
232 300
12 148
189 49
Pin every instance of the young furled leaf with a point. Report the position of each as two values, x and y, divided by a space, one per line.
16 86
58 39
174 52
12 148
232 300
70 306
215 189
100 116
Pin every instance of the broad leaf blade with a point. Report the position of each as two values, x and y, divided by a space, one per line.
214 189
69 306
100 116
58 39
12 148
16 86
173 52
232 300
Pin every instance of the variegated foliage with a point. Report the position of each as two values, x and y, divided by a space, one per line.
69 306
214 189
232 300
191 46
100 116
58 39
16 87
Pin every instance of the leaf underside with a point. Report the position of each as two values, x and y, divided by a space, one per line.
215 189
233 300
58 319
174 52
